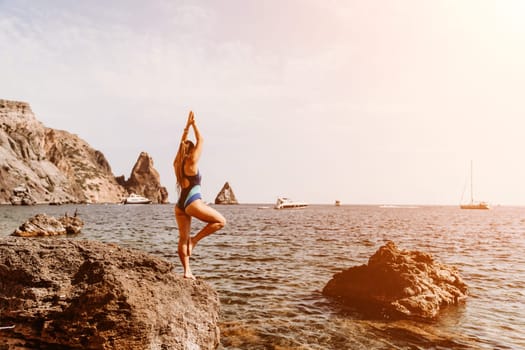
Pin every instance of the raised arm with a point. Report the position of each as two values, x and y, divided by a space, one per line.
198 142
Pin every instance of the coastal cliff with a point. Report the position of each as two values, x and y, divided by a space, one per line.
87 169
55 166
23 159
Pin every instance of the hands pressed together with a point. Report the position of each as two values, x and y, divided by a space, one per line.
191 120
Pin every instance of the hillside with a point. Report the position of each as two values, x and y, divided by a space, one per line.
55 165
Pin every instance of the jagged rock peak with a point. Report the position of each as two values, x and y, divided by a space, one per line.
145 180
226 195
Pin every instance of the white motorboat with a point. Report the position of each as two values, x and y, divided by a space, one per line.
136 199
287 203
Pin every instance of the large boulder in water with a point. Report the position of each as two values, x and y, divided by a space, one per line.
399 283
43 225
72 294
226 195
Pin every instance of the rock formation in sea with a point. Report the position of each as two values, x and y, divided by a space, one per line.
399 283
226 195
60 293
43 225
145 180
54 165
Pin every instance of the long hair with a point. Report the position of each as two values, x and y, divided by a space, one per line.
178 164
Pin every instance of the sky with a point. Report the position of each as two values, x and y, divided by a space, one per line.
366 102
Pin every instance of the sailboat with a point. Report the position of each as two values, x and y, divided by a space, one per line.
472 204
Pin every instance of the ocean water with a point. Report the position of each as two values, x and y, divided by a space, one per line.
269 267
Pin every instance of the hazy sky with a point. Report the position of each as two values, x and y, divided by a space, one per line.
368 102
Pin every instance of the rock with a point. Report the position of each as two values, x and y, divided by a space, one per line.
145 180
74 294
72 224
60 167
55 164
43 225
40 225
22 196
90 178
399 283
226 195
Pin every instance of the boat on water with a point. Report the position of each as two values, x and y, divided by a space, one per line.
287 203
473 204
136 199
478 205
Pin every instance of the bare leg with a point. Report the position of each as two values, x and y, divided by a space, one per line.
184 224
207 214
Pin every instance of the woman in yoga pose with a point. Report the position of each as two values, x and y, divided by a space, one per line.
190 202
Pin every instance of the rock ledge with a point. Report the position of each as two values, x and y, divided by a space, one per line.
63 293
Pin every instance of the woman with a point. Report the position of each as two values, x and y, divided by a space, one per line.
190 202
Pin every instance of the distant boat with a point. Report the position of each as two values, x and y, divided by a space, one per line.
287 203
136 199
337 203
473 204
478 205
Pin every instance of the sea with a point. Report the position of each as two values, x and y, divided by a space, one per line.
269 268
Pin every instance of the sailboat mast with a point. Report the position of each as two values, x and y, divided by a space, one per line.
472 205
471 184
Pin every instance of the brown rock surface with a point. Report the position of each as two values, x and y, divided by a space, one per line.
145 180
90 176
43 225
22 196
72 224
399 283
72 294
226 195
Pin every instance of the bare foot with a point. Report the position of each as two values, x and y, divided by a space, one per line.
190 276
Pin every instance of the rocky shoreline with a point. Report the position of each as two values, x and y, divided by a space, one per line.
67 293
62 293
